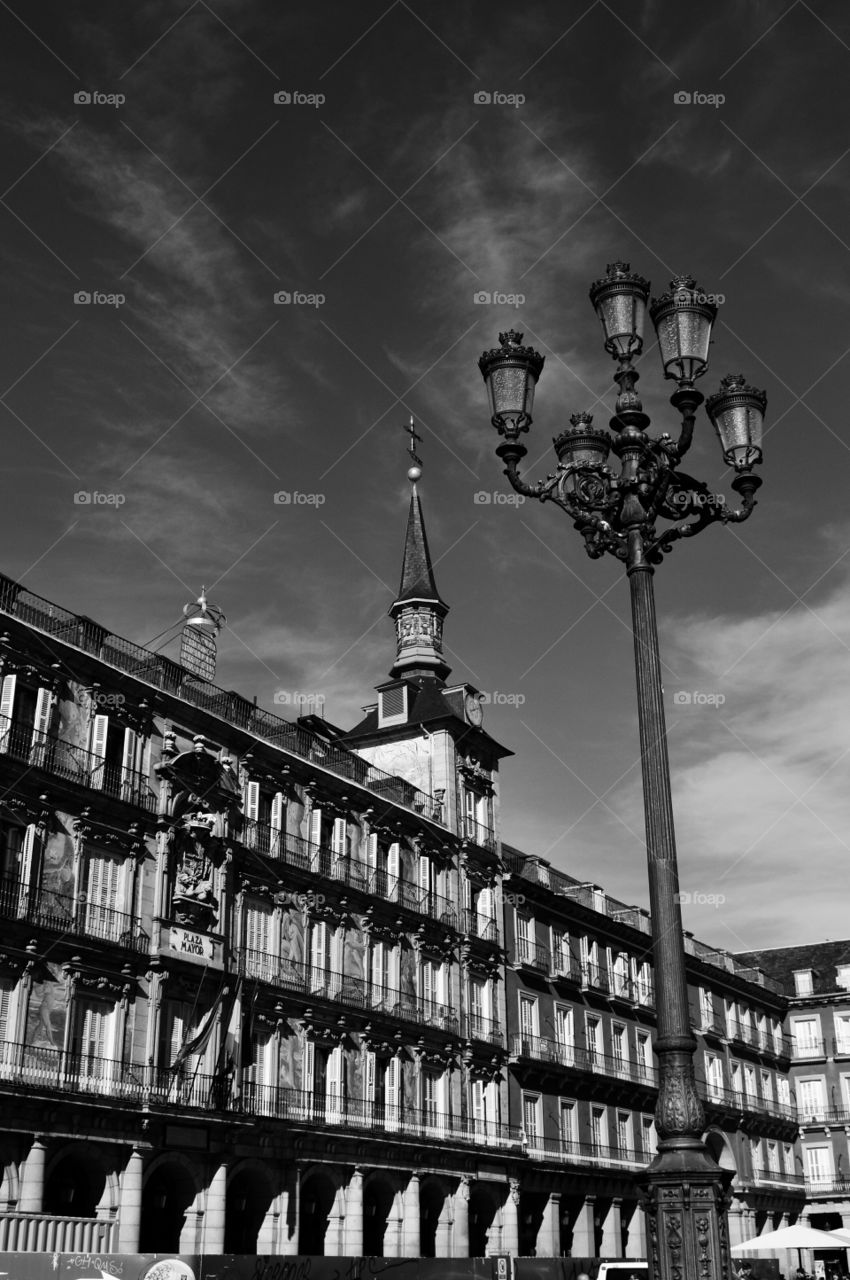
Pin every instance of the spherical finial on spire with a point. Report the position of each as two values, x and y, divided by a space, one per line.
414 473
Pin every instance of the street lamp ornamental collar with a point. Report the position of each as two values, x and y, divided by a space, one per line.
510 373
582 444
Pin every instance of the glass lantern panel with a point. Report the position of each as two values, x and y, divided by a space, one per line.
509 391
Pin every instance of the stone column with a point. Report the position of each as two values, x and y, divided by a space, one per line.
31 1197
736 1223
584 1235
215 1212
290 1215
636 1243
612 1232
354 1215
510 1219
549 1236
130 1210
411 1245
460 1224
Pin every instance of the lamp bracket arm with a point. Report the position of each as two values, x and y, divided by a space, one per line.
539 490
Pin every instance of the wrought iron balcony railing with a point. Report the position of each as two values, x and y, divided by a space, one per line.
823 1115
572 1151
478 833
340 988
56 911
164 673
841 1047
21 743
594 975
803 1049
581 1058
531 955
738 1100
564 967
323 861
487 1029
479 926
826 1184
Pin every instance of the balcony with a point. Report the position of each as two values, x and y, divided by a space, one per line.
164 673
529 955
48 1233
621 986
319 860
339 988
565 968
804 1050
71 763
826 1184
823 1115
594 977
48 910
575 1058
479 926
479 834
486 1029
776 1178
737 1101
571 1151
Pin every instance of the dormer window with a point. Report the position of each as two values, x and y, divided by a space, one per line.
803 983
392 706
842 976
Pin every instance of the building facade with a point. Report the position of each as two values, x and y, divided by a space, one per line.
816 981
272 986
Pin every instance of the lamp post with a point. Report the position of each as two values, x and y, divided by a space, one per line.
684 1192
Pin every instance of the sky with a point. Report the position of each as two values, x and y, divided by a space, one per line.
282 215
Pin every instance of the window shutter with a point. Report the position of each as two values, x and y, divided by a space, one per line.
392 1089
394 968
27 857
5 1010
427 983
441 985
7 698
252 800
277 811
478 1107
369 1076
98 738
424 872
258 918
393 862
379 966
43 713
372 852
309 1066
128 755
339 840
319 946
316 827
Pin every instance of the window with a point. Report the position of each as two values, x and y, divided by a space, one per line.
185 1042
382 1089
643 1046
598 1130
258 1071
335 1084
265 818
803 984
811 1097
755 1154
528 1021
624 1137
392 706
750 1082
647 1136
714 1076
590 961
643 982
783 1090
565 1033
807 1037
706 1001
432 990
91 1041
25 718
531 1117
561 952
569 1125
731 1017
258 954
736 1079
104 898
620 1042
477 998
842 1032
115 750
524 935
320 956
842 976
485 1108
7 1024
434 1101
18 865
766 1086
594 1038
818 1164
619 967
773 1157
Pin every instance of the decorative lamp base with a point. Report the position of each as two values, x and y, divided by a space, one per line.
685 1195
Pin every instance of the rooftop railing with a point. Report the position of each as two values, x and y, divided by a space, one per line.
164 673
24 745
57 911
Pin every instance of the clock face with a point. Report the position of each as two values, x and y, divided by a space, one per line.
474 710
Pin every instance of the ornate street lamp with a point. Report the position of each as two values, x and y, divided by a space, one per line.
685 1193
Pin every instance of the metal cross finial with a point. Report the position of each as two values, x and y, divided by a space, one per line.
414 438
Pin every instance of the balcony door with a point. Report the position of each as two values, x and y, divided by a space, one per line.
90 1062
811 1098
104 898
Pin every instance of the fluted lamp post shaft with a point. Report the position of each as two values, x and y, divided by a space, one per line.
684 1192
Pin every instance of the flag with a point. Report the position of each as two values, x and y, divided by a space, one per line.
199 1041
233 1031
